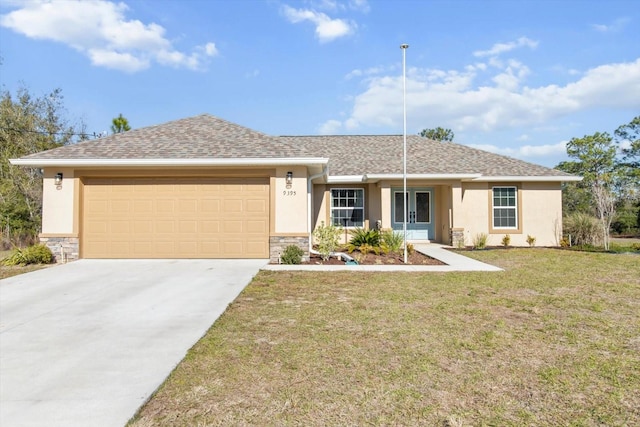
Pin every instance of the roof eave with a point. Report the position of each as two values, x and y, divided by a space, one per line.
344 179
275 161
544 178
424 176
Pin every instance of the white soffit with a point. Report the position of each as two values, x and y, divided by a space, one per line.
291 161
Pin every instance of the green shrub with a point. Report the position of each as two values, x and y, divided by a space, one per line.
531 240
391 241
480 241
635 246
506 240
584 229
327 238
360 236
292 254
36 254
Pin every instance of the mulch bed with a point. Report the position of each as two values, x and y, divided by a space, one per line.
416 258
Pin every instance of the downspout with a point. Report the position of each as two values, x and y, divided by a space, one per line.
309 213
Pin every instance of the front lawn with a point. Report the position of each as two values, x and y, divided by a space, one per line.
552 340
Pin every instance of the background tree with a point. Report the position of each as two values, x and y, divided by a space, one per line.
120 124
438 134
28 125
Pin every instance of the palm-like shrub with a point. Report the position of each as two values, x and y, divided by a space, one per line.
583 228
360 237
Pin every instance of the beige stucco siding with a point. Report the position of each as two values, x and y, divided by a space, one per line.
59 202
541 214
289 204
472 212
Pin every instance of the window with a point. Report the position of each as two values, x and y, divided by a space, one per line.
505 207
347 207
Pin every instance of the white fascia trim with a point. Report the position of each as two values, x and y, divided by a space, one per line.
345 179
432 176
548 178
285 161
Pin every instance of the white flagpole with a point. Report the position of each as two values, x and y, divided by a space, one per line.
404 145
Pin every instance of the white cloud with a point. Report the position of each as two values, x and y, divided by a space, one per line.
525 150
368 72
100 30
493 99
614 27
361 5
327 29
499 48
330 127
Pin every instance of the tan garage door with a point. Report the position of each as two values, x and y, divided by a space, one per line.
175 218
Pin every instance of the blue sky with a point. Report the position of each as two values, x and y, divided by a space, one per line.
515 77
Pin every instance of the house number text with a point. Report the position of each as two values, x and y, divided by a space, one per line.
289 193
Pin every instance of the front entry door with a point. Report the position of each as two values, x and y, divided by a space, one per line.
419 212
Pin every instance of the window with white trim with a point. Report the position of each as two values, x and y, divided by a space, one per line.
347 207
505 207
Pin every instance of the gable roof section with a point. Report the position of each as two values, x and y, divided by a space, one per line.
206 140
381 155
186 141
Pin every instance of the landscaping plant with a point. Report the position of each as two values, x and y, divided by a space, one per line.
480 241
327 238
506 240
360 237
531 240
292 254
36 254
391 241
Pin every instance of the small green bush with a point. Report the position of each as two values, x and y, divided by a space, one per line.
327 238
506 240
292 254
531 240
480 241
635 246
391 241
36 254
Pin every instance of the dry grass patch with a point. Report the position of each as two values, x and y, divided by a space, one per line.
553 340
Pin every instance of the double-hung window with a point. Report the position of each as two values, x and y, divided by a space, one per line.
347 207
505 207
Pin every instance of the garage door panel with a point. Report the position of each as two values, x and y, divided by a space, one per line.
175 218
258 227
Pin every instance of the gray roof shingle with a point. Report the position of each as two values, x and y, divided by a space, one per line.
382 154
199 137
208 137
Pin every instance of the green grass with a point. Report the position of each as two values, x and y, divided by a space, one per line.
552 340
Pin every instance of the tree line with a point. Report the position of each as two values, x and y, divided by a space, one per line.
30 124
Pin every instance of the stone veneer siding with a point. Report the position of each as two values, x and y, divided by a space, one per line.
64 249
457 237
277 244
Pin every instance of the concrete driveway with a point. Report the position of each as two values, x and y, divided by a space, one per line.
86 343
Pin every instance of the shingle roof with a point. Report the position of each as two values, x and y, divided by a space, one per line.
382 154
199 137
208 137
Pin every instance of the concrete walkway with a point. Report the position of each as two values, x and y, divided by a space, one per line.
453 261
87 343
